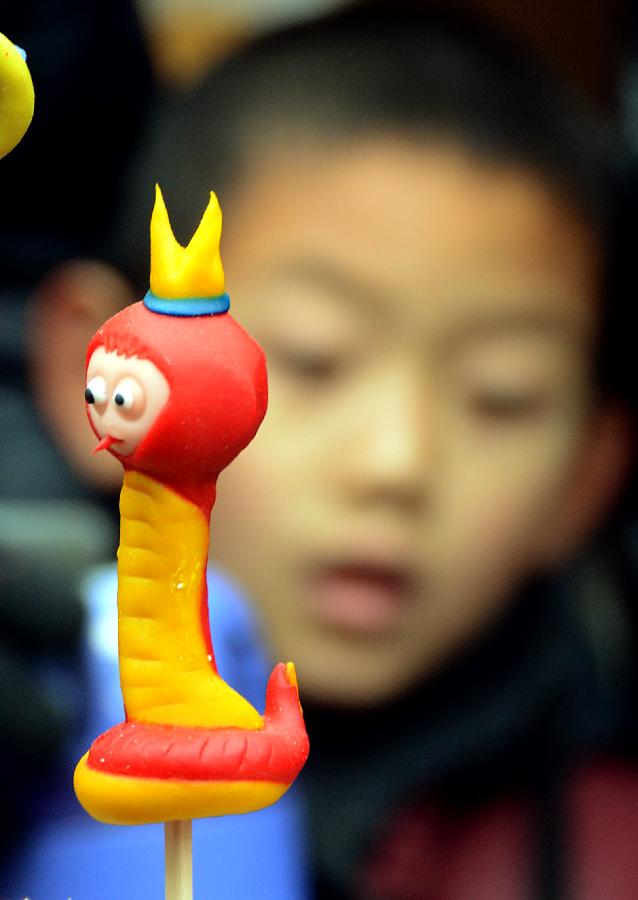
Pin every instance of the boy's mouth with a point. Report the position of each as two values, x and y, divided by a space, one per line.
363 598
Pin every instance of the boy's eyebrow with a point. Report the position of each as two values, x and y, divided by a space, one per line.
549 320
332 276
545 322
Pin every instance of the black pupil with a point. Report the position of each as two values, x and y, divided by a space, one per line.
88 396
119 399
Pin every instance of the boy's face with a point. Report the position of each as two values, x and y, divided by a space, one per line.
428 321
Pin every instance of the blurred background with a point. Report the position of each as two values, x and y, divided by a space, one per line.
100 70
588 42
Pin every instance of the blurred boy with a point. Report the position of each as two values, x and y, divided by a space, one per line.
415 231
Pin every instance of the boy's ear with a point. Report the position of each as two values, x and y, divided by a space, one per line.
598 476
67 309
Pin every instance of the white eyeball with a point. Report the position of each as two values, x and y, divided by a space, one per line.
128 396
95 391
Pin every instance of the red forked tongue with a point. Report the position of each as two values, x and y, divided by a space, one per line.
106 442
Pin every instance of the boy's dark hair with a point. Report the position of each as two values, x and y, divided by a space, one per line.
377 69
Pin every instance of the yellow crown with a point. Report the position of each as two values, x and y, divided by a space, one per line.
184 272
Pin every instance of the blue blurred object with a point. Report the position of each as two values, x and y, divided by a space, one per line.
69 855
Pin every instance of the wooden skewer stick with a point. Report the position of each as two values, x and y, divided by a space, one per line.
178 858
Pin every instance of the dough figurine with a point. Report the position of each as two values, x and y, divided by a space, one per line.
16 95
175 390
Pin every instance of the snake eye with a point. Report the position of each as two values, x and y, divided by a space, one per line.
96 391
129 397
122 399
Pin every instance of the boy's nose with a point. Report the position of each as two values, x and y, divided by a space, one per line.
387 457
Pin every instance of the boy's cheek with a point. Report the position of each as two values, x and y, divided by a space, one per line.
499 519
255 495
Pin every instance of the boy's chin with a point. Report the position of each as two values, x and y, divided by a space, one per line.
354 681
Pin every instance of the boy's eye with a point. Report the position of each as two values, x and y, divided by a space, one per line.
507 406
95 392
308 364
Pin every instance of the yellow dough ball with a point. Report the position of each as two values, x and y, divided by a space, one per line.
16 96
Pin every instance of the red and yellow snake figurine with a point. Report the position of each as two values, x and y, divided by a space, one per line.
175 390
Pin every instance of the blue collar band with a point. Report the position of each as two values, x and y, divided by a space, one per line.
191 306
